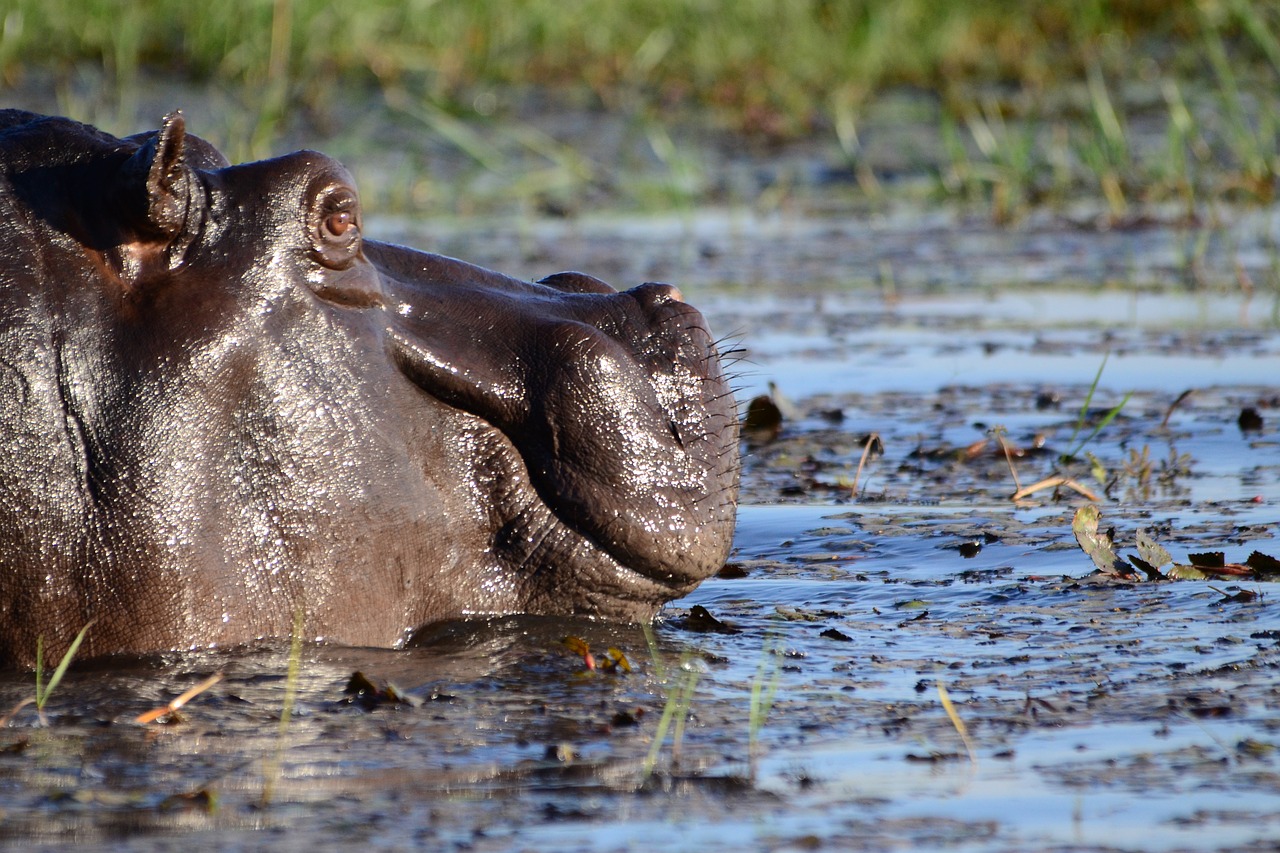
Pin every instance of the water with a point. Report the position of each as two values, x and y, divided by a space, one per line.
1101 716
1166 342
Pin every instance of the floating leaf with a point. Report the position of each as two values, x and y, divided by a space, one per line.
1146 568
1250 748
1094 543
1228 570
615 660
1203 568
363 691
623 719
203 800
1182 572
579 647
1152 552
1208 559
359 683
1263 564
1250 420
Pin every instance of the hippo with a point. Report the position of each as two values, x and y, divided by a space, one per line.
224 409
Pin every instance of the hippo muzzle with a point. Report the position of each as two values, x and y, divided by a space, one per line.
614 402
222 406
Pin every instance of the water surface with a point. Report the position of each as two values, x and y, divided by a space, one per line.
1099 715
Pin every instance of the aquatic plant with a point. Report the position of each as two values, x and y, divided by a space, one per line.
1083 417
676 709
44 691
764 687
1060 478
1153 562
272 765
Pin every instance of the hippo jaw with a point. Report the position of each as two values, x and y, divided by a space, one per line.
618 464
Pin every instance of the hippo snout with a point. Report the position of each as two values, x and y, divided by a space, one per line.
614 401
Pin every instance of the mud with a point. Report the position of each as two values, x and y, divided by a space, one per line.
1099 715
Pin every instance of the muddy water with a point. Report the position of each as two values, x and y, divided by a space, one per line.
1098 716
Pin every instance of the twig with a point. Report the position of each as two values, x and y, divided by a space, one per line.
4 722
1008 458
872 440
152 716
956 721
1169 412
1052 482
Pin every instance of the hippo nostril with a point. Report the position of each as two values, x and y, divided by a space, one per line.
652 294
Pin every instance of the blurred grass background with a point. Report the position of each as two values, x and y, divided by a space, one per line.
1019 103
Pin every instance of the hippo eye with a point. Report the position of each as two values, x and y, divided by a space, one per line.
337 224
336 227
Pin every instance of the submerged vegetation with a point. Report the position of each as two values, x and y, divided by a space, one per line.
1015 104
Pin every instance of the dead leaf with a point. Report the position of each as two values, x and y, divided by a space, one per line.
579 647
1263 564
615 661
701 621
1244 596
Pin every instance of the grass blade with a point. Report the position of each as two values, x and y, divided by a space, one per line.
43 693
40 672
956 721
1084 414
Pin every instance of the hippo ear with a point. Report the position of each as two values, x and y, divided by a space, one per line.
161 192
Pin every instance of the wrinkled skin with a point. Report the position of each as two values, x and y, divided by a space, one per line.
220 405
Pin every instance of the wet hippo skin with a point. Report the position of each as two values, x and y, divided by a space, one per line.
221 405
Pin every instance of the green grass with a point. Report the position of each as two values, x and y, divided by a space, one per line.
770 70
45 689
720 53
1078 444
273 763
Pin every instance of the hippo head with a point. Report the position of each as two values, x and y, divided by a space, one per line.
222 406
